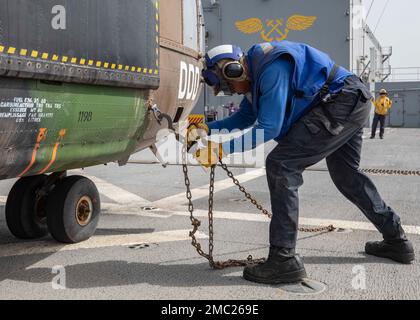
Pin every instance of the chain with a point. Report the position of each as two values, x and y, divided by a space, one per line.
264 211
197 223
194 221
243 190
393 172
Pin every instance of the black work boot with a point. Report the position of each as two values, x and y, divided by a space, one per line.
401 251
282 266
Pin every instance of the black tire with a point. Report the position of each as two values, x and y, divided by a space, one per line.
64 202
25 214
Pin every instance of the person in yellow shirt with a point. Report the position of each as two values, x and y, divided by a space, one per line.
382 106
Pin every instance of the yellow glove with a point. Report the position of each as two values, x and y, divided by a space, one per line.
195 132
210 155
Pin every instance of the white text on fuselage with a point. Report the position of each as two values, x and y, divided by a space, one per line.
189 81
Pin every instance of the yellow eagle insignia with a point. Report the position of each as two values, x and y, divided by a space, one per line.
277 29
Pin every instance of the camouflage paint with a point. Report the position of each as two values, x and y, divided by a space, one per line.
94 125
120 123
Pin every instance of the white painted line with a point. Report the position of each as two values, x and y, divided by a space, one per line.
39 247
225 215
132 210
203 191
344 224
250 217
355 225
118 194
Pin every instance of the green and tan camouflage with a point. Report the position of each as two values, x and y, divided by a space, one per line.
63 108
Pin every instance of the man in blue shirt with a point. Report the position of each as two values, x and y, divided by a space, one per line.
313 109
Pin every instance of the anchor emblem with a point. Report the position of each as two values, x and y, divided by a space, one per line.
277 28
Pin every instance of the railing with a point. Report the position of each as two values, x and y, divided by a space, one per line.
386 53
405 74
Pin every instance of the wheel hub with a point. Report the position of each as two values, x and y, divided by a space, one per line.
84 210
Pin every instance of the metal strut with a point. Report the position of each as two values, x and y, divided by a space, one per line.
160 116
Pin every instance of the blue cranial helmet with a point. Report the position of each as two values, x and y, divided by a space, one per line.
213 76
219 53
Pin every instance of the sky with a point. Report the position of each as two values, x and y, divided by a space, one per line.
399 28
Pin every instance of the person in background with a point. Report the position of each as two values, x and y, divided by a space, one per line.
382 106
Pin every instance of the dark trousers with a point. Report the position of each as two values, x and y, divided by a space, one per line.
376 119
334 134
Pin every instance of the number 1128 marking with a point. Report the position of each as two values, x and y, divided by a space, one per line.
85 116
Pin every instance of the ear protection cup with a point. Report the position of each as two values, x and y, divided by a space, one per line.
211 78
234 71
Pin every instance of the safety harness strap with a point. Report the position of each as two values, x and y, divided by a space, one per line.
326 97
326 87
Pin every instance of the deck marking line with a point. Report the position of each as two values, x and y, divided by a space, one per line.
40 247
118 194
203 191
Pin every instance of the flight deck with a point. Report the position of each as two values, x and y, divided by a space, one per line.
141 248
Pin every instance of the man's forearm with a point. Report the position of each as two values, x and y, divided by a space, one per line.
250 140
237 121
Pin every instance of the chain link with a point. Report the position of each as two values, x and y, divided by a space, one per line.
393 172
194 222
197 223
264 211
